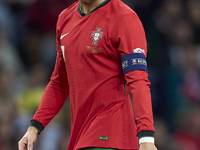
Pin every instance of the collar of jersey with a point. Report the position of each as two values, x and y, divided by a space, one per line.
99 6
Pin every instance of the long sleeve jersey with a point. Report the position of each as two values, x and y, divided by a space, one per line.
100 60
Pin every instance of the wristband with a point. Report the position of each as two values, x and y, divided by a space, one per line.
146 139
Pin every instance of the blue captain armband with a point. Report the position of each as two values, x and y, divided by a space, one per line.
134 61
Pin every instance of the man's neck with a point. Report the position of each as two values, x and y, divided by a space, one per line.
88 5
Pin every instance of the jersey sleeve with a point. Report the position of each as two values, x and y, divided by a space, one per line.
55 94
132 47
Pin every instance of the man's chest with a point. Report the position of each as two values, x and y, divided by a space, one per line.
88 37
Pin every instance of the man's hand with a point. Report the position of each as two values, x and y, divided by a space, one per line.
147 146
29 139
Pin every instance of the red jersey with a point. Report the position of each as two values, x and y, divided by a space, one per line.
93 52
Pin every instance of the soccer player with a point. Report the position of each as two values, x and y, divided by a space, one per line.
101 48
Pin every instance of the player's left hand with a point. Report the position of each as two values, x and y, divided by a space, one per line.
147 146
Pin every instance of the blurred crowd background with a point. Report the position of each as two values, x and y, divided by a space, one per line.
28 52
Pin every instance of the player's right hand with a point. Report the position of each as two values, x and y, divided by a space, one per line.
28 140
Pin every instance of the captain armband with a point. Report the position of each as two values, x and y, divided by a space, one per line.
134 61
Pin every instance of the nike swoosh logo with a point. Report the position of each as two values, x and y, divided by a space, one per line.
62 36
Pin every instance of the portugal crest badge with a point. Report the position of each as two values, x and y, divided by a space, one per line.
96 36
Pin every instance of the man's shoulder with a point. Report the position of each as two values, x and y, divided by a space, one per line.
121 9
69 10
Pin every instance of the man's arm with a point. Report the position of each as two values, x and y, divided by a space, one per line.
52 101
132 47
138 85
54 96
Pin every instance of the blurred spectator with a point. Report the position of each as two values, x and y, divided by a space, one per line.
7 110
7 22
191 79
43 14
164 141
29 98
169 11
39 40
194 17
10 61
9 58
40 48
188 133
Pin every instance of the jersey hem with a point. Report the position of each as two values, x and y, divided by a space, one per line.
105 147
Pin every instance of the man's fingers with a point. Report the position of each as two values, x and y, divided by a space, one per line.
30 147
22 145
30 144
25 144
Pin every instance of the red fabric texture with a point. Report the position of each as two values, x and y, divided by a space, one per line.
92 76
